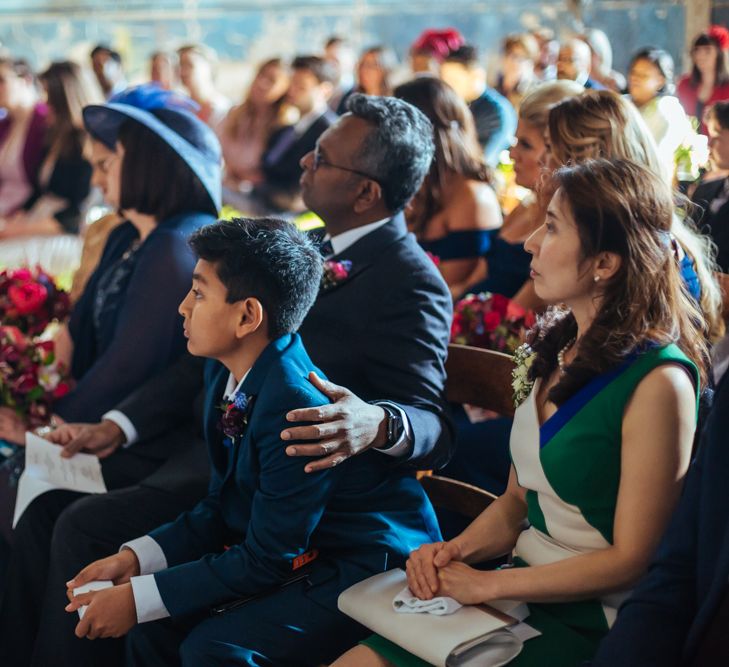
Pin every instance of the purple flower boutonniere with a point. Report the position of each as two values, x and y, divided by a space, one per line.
234 420
335 273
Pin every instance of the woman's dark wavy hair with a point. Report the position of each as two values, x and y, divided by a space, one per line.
457 150
623 208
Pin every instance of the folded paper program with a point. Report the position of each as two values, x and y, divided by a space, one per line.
405 602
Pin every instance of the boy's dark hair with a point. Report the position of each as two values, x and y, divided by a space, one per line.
103 48
266 259
323 70
155 180
466 55
398 150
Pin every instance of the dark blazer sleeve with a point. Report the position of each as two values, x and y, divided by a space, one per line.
286 508
148 333
405 354
166 399
654 623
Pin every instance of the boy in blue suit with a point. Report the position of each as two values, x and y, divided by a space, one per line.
251 575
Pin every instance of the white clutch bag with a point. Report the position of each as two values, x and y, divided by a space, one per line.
475 635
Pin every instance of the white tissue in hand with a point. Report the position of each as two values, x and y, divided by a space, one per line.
91 586
406 603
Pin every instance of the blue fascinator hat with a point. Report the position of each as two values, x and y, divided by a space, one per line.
171 117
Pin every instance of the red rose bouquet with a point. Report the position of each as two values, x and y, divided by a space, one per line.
491 321
31 300
30 376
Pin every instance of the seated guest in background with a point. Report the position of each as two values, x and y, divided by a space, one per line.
393 357
708 80
252 286
519 54
712 197
64 180
431 47
107 66
574 63
507 263
494 116
22 135
545 69
374 70
602 124
164 177
247 128
597 371
311 85
650 88
677 615
601 69
163 69
455 208
340 53
197 77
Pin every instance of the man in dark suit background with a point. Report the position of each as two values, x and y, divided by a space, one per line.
381 331
678 614
312 83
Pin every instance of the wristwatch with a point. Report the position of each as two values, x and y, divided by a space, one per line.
395 427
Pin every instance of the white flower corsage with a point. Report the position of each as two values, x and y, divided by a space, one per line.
522 385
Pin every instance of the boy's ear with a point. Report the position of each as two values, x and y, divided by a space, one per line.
250 317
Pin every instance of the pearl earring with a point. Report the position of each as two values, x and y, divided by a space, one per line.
596 278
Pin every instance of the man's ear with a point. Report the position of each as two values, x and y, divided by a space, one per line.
369 195
250 317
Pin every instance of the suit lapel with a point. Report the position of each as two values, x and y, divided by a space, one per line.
216 380
364 252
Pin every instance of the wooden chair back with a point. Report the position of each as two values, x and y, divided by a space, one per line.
460 498
480 377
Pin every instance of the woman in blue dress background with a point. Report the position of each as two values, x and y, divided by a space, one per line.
456 207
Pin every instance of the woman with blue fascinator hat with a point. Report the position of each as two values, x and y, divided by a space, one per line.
164 178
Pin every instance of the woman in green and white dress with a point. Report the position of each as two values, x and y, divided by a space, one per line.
603 434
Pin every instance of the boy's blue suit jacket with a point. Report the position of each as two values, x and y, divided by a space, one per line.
364 515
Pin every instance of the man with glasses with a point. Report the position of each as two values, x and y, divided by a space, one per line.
379 329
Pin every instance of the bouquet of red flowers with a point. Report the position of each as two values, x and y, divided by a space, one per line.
30 376
491 321
31 300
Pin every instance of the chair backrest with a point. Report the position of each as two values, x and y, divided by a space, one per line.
458 497
480 377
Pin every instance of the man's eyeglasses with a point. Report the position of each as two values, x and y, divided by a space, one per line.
319 161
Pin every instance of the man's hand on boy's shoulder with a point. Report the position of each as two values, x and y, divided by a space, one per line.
110 612
341 429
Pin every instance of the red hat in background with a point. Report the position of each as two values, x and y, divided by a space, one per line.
439 43
720 35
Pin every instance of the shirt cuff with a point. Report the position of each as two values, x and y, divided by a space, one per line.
125 424
404 443
149 554
147 599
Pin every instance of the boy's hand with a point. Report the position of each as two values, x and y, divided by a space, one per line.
346 427
110 612
119 568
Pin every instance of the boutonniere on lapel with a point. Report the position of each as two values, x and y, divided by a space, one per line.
335 273
520 381
234 419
